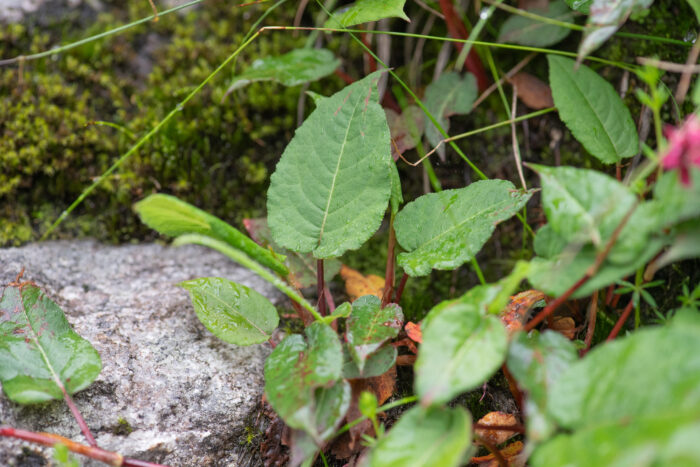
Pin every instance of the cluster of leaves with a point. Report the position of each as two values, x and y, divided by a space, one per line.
629 401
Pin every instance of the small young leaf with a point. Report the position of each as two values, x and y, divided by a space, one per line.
39 350
527 31
592 110
451 94
364 11
582 6
425 438
376 363
329 194
461 349
296 67
296 368
171 216
232 312
369 326
446 229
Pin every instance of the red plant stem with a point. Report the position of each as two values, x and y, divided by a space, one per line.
93 452
502 462
609 294
592 314
344 76
513 386
621 321
517 428
78 417
615 300
329 299
320 287
457 30
370 59
389 272
399 290
554 304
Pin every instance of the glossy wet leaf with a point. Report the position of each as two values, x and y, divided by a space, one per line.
39 349
302 266
582 6
536 361
451 94
425 438
526 31
461 349
296 368
606 17
296 67
593 111
329 194
446 229
232 312
171 216
364 11
369 326
376 364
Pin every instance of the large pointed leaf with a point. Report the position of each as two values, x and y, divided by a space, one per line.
592 110
423 437
39 351
296 67
606 17
461 349
364 11
370 325
232 312
296 368
332 185
302 266
171 216
451 94
444 230
527 31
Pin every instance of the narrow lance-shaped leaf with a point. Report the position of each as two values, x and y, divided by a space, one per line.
592 110
370 325
171 216
444 230
232 312
425 438
364 11
39 351
332 185
526 31
296 67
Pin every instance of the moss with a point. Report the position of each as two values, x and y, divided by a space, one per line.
122 428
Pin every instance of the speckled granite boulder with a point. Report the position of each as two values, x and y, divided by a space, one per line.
169 392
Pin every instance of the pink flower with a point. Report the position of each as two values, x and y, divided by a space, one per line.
683 147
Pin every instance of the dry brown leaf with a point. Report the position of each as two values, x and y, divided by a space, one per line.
564 325
496 437
403 127
533 92
414 332
515 314
357 284
510 453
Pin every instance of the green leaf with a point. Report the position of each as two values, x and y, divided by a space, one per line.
171 216
461 349
296 368
396 195
583 205
451 94
425 438
369 326
376 363
695 5
676 202
446 229
39 351
606 17
342 311
232 312
592 110
536 361
329 194
364 11
301 265
582 6
527 31
296 67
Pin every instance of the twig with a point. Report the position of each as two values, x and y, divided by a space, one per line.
502 462
155 11
671 66
516 148
431 10
513 71
592 314
78 417
621 321
684 82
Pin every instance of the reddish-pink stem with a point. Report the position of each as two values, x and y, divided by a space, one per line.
320 284
621 321
78 418
399 290
389 272
592 314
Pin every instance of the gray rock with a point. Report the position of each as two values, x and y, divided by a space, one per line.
169 392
